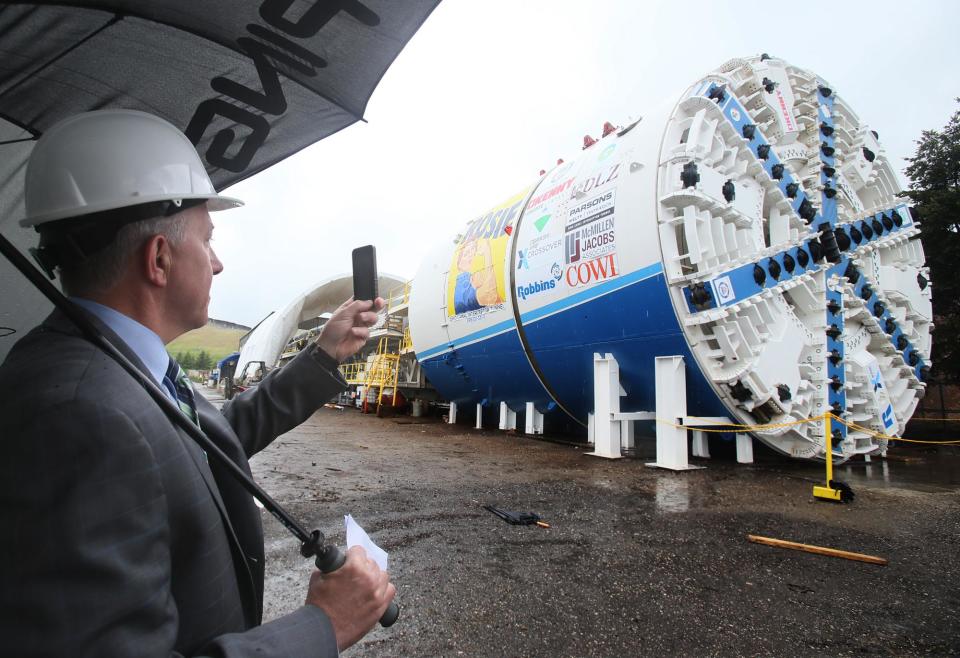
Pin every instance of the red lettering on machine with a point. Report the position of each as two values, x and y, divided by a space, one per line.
592 271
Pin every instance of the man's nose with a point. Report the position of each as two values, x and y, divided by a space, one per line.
215 263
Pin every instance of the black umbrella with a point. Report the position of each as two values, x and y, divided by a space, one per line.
249 81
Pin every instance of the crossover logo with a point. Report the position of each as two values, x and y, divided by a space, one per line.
592 271
535 288
522 264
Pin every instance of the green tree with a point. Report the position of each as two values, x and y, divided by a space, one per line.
188 362
934 173
203 361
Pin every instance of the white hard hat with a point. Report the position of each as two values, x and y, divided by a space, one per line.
110 159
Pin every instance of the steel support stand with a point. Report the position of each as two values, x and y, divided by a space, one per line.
479 424
744 448
671 395
701 445
627 440
606 405
533 420
452 415
508 417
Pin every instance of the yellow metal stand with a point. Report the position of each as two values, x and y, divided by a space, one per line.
384 370
827 492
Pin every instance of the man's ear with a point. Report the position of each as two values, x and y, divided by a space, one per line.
157 259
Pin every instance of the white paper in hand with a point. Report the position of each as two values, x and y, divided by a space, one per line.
357 536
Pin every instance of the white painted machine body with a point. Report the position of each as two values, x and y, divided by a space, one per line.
730 228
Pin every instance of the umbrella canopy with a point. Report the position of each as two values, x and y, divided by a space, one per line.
250 82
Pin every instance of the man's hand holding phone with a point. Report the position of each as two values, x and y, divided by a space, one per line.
365 272
349 327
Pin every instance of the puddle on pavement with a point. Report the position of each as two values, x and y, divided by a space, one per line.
672 494
919 472
915 470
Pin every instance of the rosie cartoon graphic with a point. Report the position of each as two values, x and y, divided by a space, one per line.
476 279
476 284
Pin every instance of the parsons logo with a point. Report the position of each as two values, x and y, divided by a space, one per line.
534 288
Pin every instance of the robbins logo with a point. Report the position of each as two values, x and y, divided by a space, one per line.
556 271
535 288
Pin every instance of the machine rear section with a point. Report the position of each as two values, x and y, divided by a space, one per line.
753 228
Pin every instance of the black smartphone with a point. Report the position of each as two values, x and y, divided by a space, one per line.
365 272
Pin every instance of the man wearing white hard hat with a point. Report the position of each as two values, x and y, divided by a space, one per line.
120 537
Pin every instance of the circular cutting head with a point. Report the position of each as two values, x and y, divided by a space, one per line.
795 269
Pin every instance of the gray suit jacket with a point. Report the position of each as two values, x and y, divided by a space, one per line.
118 538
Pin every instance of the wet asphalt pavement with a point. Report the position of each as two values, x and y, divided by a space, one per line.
637 561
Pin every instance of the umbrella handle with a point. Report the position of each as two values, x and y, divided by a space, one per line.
330 558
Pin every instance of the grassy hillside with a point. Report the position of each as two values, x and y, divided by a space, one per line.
217 341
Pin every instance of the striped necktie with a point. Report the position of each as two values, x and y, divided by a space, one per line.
179 383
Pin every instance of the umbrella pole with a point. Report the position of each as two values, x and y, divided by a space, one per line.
328 557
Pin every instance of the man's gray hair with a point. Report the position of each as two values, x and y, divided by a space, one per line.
101 271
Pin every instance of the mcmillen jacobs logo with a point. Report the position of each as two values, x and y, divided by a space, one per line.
534 288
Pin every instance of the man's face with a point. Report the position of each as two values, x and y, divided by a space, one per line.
194 265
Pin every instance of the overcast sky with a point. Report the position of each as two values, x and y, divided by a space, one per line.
489 92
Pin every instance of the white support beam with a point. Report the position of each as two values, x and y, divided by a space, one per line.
701 446
744 448
452 414
533 420
508 417
701 443
479 424
634 415
626 435
606 405
671 395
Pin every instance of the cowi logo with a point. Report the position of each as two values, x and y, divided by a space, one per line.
534 288
592 271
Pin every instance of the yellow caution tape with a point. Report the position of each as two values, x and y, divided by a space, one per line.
890 437
733 427
726 428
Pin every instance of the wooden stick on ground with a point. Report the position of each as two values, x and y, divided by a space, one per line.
820 550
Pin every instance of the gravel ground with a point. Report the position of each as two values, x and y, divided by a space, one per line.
637 561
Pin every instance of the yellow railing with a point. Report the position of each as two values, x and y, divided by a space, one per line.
398 296
354 373
382 370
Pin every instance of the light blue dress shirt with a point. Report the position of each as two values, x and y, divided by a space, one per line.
147 345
